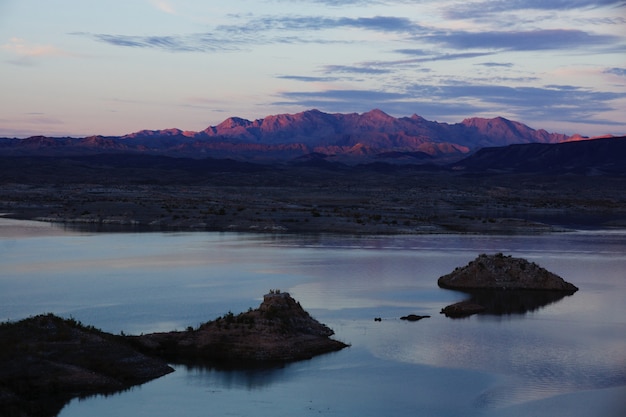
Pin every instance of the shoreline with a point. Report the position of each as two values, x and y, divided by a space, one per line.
501 227
321 201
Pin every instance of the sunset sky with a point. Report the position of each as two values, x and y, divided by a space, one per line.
112 67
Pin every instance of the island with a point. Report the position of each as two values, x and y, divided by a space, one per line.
46 360
500 284
280 330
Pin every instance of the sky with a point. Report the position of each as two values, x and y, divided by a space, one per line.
95 67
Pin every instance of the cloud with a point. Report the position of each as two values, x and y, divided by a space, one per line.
28 53
316 23
197 42
354 69
435 56
264 30
536 40
475 9
338 3
309 79
365 100
23 48
389 67
548 103
297 30
497 64
163 6
616 71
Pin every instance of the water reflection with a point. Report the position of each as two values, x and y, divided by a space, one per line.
236 375
506 302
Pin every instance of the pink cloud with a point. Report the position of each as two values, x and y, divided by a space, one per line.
22 48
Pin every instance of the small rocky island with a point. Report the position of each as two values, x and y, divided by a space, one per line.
503 284
279 330
45 360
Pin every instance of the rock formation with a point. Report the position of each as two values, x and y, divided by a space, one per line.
506 273
45 361
413 317
462 309
500 284
279 330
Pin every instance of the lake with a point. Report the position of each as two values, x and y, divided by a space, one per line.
566 357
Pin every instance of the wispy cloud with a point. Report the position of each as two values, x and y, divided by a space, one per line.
497 64
197 42
355 69
339 3
616 71
423 56
536 40
262 30
297 30
164 6
569 103
317 23
27 53
475 9
309 79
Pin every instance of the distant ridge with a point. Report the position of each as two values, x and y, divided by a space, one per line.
350 138
587 157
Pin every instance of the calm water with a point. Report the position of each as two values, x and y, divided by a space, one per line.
564 358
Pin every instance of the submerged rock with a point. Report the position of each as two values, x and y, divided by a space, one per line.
462 309
504 273
413 317
279 330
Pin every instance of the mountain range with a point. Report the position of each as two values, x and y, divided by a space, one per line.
351 138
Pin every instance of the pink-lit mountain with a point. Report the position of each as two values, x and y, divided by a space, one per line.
351 138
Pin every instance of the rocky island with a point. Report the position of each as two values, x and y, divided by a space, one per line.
45 360
504 272
279 330
500 284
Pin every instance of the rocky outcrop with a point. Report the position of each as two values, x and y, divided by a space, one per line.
45 361
413 317
499 284
462 309
505 273
279 330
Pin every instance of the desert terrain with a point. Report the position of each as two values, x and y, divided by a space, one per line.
312 199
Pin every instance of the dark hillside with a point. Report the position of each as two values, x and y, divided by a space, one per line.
587 157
